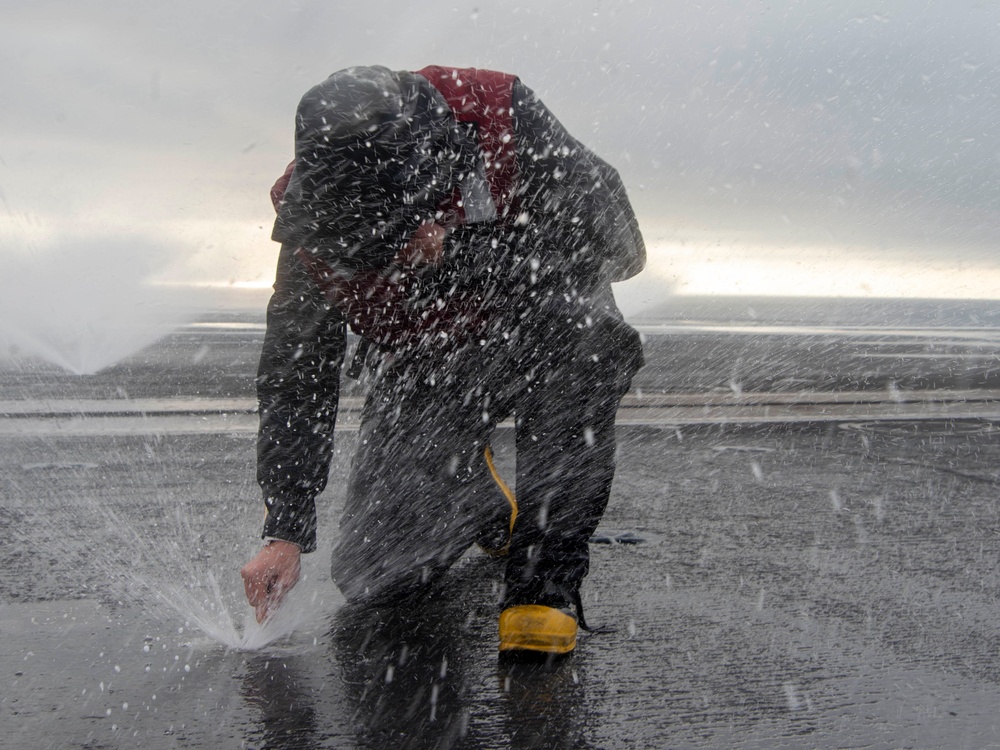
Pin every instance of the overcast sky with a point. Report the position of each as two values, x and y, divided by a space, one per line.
756 138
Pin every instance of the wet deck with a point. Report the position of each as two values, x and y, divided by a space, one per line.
819 568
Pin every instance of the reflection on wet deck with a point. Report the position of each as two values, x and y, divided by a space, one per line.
799 585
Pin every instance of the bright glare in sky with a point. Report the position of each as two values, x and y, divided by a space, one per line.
788 148
802 272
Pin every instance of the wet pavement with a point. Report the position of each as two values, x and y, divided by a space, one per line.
821 580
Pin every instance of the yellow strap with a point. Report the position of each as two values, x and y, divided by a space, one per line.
507 493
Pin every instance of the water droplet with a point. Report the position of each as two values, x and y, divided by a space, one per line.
838 505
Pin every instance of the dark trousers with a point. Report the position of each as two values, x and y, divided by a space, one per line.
420 492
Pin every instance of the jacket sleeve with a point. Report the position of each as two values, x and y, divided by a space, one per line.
576 196
298 385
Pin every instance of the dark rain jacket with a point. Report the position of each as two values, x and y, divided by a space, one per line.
535 219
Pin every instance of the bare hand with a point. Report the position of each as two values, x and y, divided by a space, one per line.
271 574
426 245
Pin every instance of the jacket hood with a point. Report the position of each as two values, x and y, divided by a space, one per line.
374 148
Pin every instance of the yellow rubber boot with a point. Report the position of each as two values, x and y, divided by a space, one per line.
534 627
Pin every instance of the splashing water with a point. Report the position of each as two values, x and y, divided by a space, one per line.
154 557
202 605
166 576
85 346
85 306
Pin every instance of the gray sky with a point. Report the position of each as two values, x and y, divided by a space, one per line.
767 145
